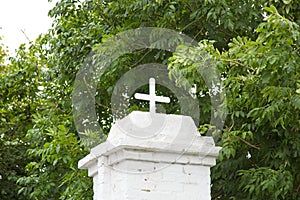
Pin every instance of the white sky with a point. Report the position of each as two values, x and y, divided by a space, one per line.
28 15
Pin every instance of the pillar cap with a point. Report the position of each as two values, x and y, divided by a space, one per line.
157 133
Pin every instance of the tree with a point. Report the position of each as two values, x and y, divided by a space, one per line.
29 99
257 58
261 138
15 114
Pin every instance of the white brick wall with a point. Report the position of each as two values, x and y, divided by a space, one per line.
175 181
128 168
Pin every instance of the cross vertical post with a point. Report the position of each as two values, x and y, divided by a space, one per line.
151 97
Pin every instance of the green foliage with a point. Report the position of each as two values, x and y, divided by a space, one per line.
261 139
56 173
257 52
266 183
31 109
18 86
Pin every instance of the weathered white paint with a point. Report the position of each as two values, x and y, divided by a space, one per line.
152 156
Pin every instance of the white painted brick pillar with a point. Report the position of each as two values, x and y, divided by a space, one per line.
152 157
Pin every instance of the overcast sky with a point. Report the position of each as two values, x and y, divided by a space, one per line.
27 15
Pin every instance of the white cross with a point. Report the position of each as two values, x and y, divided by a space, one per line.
152 97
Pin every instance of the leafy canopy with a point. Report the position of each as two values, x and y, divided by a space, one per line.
256 49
